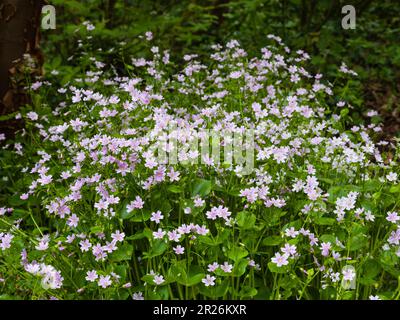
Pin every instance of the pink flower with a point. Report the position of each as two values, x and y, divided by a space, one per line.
5 241
159 174
220 212
325 247
394 237
73 221
91 276
174 236
226 267
198 202
110 246
42 245
32 115
289 249
118 236
313 239
369 216
179 249
159 234
201 230
392 217
291 232
24 196
70 238
43 180
173 175
251 194
105 281
156 217
138 296
280 260
158 280
136 204
149 35
348 274
212 214
213 267
85 245
209 280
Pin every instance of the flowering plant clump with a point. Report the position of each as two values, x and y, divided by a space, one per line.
125 187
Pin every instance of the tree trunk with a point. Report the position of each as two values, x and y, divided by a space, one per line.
20 56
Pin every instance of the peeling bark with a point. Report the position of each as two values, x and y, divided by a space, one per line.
20 56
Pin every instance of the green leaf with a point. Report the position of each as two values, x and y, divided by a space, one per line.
148 278
324 221
96 229
192 277
163 292
217 291
246 220
272 216
371 185
237 253
388 258
140 216
208 241
371 268
146 233
327 180
124 252
274 268
344 112
328 238
247 292
15 200
395 189
8 116
357 242
158 248
136 236
348 295
176 270
175 189
201 187
272 241
240 267
121 270
153 295
124 214
165 207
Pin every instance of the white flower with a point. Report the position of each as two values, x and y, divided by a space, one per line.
158 279
138 296
392 176
32 115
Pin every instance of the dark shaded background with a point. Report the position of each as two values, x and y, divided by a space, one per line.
372 49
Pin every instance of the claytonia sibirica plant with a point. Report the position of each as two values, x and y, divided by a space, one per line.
113 198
